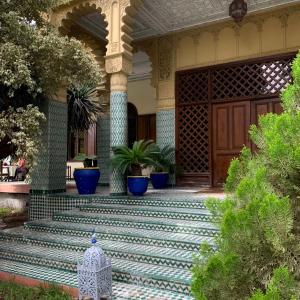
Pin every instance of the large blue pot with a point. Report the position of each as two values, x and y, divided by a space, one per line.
86 180
137 185
159 180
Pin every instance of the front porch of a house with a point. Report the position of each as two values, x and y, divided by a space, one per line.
205 79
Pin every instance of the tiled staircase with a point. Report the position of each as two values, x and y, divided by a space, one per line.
151 241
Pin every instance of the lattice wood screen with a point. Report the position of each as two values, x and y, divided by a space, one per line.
197 89
194 147
193 122
250 80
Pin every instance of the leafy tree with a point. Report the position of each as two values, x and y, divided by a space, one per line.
35 61
260 218
35 56
22 127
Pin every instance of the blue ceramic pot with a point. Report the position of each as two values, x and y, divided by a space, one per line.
137 185
86 180
159 180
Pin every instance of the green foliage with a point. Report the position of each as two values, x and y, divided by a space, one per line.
260 218
164 160
4 211
84 107
132 161
13 291
34 55
22 127
282 286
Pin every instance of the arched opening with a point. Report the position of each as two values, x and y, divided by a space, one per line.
87 24
142 94
132 124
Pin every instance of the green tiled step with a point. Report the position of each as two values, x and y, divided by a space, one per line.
124 234
140 253
172 279
121 291
151 223
146 211
172 201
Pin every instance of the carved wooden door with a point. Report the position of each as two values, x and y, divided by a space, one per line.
231 123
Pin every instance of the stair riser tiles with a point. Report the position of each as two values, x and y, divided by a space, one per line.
157 214
114 237
149 202
108 222
161 261
117 276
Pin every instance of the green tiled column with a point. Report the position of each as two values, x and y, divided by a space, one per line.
165 131
103 148
118 136
49 176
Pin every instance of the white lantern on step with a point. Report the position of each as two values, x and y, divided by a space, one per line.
95 274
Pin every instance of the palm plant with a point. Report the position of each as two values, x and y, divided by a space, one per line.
84 107
127 160
164 159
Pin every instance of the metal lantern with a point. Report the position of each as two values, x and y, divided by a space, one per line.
95 274
238 10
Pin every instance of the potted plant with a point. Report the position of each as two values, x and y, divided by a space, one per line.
163 166
87 178
131 162
84 110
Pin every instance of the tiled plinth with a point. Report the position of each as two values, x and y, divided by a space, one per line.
151 242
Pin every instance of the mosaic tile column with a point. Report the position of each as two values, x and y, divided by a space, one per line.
118 136
49 176
103 148
165 132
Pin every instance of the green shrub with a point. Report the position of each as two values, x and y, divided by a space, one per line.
4 211
282 286
260 218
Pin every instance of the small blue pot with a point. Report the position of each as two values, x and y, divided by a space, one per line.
137 185
86 180
159 180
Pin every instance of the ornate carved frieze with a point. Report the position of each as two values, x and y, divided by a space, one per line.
118 63
165 59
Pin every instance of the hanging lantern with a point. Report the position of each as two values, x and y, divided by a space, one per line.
238 10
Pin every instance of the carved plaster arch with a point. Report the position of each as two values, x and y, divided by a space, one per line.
63 18
63 15
150 47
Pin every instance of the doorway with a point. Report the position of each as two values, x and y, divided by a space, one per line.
214 109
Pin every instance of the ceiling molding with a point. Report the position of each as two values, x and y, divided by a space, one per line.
157 17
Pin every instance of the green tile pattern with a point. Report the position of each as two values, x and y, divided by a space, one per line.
165 132
118 136
119 220
44 206
145 211
151 242
103 148
50 172
121 291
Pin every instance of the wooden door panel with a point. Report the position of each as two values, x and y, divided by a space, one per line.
231 123
240 120
222 130
262 107
277 107
221 165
